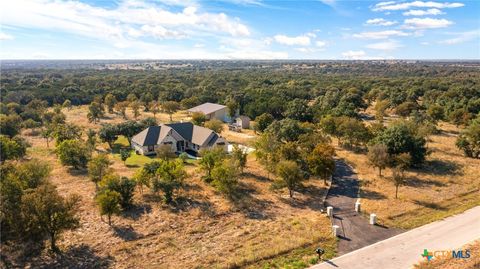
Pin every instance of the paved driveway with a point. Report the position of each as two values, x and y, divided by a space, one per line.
404 250
355 231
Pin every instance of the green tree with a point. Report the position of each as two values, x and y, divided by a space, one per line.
49 212
154 108
183 157
398 179
108 133
469 140
170 107
95 112
91 139
406 108
125 154
266 151
286 130
135 106
73 153
47 134
109 204
378 157
146 99
400 138
10 125
67 131
122 108
214 125
132 98
262 122
239 155
98 167
298 109
67 104
435 112
122 185
291 174
321 162
209 158
198 118
232 107
12 148
110 102
225 177
169 178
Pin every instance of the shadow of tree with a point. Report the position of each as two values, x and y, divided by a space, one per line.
252 207
440 167
307 197
369 194
127 233
257 177
419 183
77 172
429 205
182 204
136 211
81 256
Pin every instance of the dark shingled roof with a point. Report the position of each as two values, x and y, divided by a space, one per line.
185 129
193 133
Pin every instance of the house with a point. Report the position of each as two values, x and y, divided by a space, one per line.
182 137
242 121
212 111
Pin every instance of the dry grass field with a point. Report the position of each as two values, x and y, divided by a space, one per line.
449 183
450 263
260 228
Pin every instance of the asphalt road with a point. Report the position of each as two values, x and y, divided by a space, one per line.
355 231
404 250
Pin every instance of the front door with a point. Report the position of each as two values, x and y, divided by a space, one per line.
180 146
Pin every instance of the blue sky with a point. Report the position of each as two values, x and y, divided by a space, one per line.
239 29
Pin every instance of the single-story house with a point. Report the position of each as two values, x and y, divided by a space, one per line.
212 111
242 121
182 136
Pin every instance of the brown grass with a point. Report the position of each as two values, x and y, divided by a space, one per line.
447 184
453 263
203 229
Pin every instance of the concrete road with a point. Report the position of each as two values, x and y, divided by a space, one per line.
404 250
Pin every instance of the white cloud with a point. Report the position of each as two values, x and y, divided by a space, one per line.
419 12
320 43
387 45
391 5
4 36
462 37
426 23
301 40
354 54
380 34
328 2
380 22
128 21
